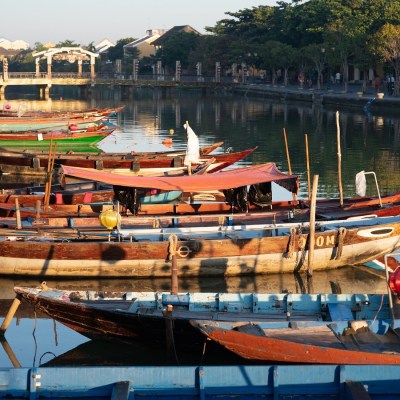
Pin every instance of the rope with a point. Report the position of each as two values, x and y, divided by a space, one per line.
291 242
173 240
340 241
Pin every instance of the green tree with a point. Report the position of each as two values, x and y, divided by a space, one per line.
67 43
386 43
117 52
177 48
315 54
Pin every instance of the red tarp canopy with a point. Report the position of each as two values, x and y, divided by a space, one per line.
194 183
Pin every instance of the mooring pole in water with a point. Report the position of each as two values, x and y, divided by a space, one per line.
174 268
18 214
11 312
308 168
8 350
311 242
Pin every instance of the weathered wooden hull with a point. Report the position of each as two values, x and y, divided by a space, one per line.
58 137
310 345
30 124
35 163
132 316
233 254
92 112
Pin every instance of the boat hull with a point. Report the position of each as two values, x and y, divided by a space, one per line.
36 164
271 349
133 316
233 254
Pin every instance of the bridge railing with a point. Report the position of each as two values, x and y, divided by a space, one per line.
116 76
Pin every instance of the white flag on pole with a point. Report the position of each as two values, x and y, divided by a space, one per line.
361 184
193 148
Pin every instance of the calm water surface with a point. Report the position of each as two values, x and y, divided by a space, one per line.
368 142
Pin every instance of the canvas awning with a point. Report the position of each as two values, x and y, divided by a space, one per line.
193 183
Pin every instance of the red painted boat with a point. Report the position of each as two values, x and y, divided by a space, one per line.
32 162
352 342
22 112
97 130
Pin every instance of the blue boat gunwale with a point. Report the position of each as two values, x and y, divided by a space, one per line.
269 381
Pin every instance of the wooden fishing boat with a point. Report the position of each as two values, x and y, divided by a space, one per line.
31 162
141 316
19 124
197 251
191 382
23 112
90 135
347 342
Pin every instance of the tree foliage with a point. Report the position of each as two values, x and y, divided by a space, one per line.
177 48
117 52
286 36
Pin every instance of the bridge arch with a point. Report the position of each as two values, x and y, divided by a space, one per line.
70 54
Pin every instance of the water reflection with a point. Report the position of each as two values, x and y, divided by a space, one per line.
345 280
369 141
34 339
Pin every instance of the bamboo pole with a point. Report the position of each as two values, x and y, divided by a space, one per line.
308 168
17 214
287 152
288 158
339 155
311 242
174 268
50 166
11 312
47 189
11 355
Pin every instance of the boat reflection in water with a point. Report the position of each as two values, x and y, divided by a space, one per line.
34 339
357 279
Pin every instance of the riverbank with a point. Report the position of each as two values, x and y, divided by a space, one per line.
334 96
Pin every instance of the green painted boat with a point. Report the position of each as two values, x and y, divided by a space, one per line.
23 124
79 141
87 144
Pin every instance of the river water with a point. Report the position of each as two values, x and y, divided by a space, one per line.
368 142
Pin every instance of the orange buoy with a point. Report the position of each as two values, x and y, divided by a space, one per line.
167 142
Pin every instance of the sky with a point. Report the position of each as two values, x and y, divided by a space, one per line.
86 21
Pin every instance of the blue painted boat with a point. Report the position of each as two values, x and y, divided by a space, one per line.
160 198
208 382
135 316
